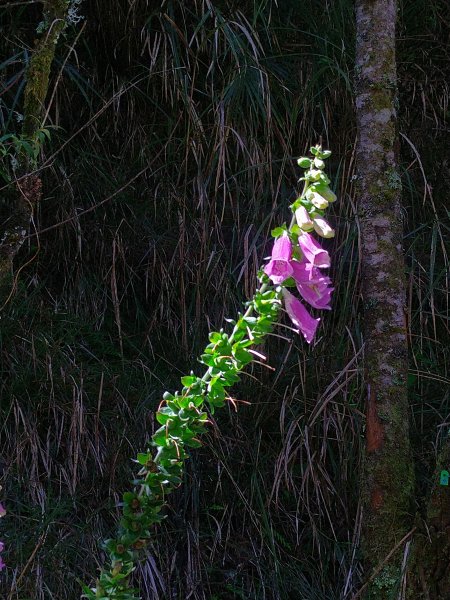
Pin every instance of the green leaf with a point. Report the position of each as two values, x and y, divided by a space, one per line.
246 343
175 427
242 355
129 496
193 443
240 334
188 380
27 147
278 231
231 377
87 592
46 132
143 458
164 414
287 283
208 359
307 204
8 136
160 437
304 162
196 399
174 479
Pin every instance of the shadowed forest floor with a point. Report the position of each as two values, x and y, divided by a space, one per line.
174 128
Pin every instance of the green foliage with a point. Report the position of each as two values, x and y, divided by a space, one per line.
20 149
182 421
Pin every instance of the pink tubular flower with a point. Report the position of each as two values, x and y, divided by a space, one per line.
312 285
2 564
300 317
279 267
313 252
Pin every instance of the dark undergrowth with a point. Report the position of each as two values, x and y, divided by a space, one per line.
174 128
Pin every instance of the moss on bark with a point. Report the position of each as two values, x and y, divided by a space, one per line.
29 189
428 570
38 72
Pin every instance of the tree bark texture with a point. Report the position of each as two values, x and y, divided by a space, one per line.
387 478
28 191
428 575
38 72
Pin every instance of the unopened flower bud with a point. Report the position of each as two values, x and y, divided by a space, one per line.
316 199
325 191
303 219
322 228
314 174
319 163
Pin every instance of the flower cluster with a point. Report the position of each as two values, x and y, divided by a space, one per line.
313 286
297 257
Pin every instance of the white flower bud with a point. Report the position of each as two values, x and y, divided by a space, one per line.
303 219
325 191
314 174
319 163
322 228
317 200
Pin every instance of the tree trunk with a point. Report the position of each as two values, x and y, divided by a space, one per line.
29 188
387 478
429 567
38 73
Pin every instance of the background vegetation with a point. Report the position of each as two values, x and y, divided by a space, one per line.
174 128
